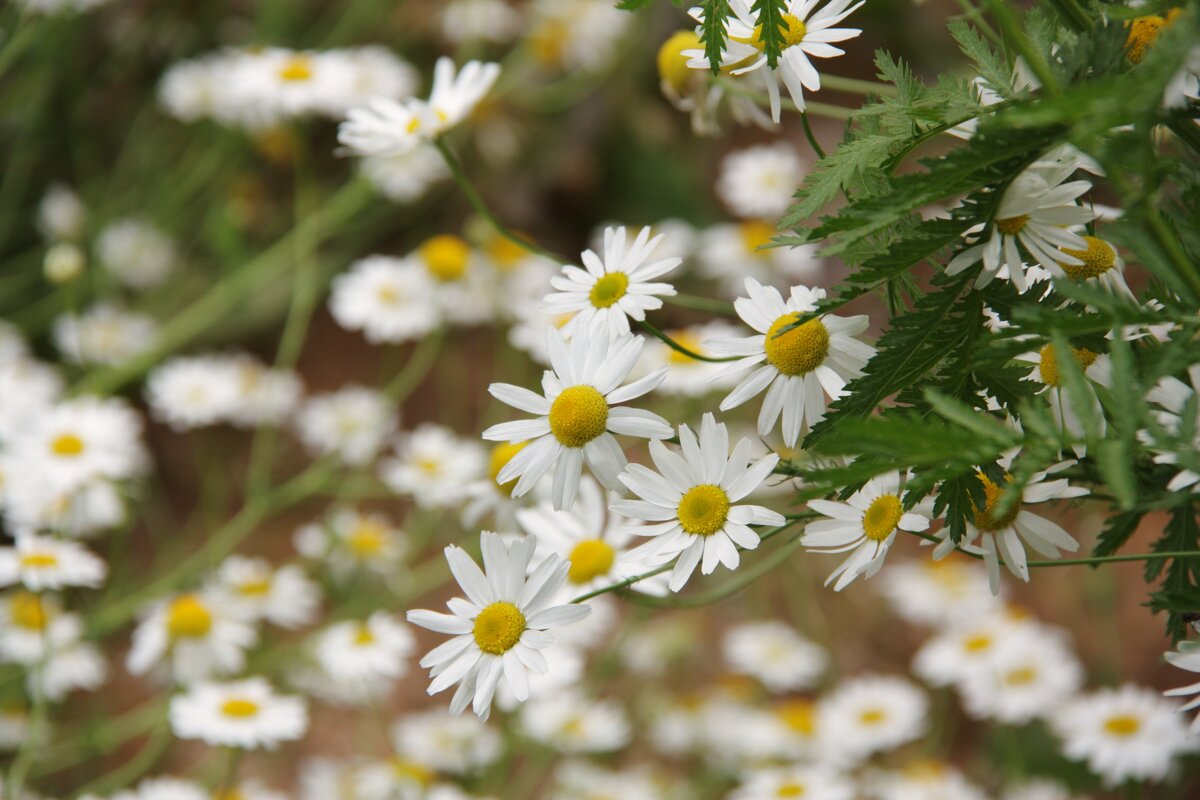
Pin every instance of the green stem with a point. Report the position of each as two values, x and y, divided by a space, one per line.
129 772
811 107
808 133
422 359
697 303
677 347
30 748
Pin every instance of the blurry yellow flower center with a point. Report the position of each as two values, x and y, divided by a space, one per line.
388 295
411 771
498 628
255 588
228 794
1021 677
1011 226
986 519
367 538
798 350
28 612
547 42
446 257
793 29
363 635
755 234
977 643
188 617
1122 725
413 125
430 466
688 340
590 559
1098 258
609 289
882 517
498 460
1143 33
798 716
37 560
872 716
791 790
240 708
1048 364
672 63
296 69
506 253
704 509
67 444
578 415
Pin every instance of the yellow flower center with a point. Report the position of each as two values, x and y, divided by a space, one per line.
608 290
688 340
799 350
1011 226
239 707
446 257
590 559
27 611
297 69
1048 363
363 635
672 63
367 539
1022 676
872 716
188 618
791 790
498 460
1098 258
578 415
547 42
793 33
504 252
703 510
1122 725
388 295
498 628
255 588
39 560
986 519
799 716
882 517
228 794
755 234
67 444
977 643
1143 33
411 772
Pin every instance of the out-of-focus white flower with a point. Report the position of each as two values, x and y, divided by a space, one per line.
568 35
775 654
433 466
61 214
253 589
136 253
572 723
405 176
353 422
42 562
868 715
923 780
64 262
351 540
388 299
809 782
938 593
451 744
759 182
732 252
1029 674
246 714
103 334
372 649
468 21
195 634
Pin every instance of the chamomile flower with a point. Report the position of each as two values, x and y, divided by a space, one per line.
41 562
73 666
1034 213
487 497
195 634
1186 656
61 214
1096 369
352 423
472 21
867 524
246 714
433 466
461 288
1128 733
351 540
1030 673
137 254
804 363
446 743
1173 397
870 714
759 182
734 251
571 723
593 540
775 654
577 415
938 593
500 628
579 780
103 334
263 395
949 658
389 299
614 287
809 782
688 376
369 650
1100 265
79 440
690 502
253 589
922 780
406 176
569 35
385 127
191 391
808 32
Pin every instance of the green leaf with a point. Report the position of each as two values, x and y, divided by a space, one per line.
1117 531
837 171
1180 535
992 66
713 31
771 28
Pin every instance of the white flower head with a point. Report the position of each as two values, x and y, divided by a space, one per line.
42 562
1186 656
577 414
196 634
775 654
372 649
352 423
389 299
809 782
804 363
759 182
868 714
247 714
731 252
253 589
692 502
500 627
572 723
433 466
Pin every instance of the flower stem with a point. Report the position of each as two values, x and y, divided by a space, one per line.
697 303
677 347
808 133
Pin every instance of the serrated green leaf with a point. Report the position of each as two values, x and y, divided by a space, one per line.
713 31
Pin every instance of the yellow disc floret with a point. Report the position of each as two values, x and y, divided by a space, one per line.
1048 363
37 560
986 519
672 63
67 444
26 610
240 708
798 715
1122 725
793 29
882 517
188 618
1011 226
498 628
608 290
590 559
791 789
800 349
446 257
578 415
1098 258
756 234
1143 33
872 716
498 459
368 538
297 69
703 509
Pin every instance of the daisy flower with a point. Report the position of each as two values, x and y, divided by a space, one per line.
40 562
246 714
613 288
433 466
350 540
352 423
1096 369
1033 213
577 414
938 593
868 714
103 334
137 254
1186 656
446 743
191 391
809 782
949 657
386 127
1031 672
500 627
460 286
34 625
405 177
570 35
253 589
69 667
866 524
690 501
808 32
803 363
389 299
79 440
1173 397
731 252
1100 264
196 634
923 780
368 650
574 724
1123 734
759 182
774 653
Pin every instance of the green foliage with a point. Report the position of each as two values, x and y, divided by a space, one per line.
713 31
772 28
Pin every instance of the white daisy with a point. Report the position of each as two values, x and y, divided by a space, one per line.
103 334
577 414
446 743
613 288
1033 213
1100 265
264 395
1173 397
40 562
808 32
406 176
136 253
34 625
689 503
948 658
474 21
371 649
1031 672
759 182
571 723
579 780
70 667
866 523
353 423
922 780
938 593
246 714
487 497
732 252
195 634
433 466
775 654
253 589
867 715
809 782
804 363
1124 734
351 540
80 440
388 299
1096 368
1186 656
570 36
500 628
192 391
